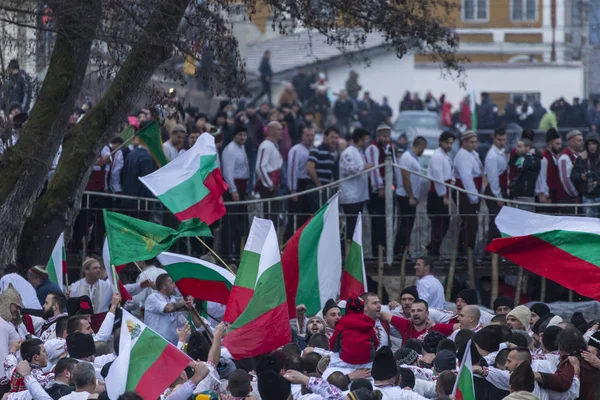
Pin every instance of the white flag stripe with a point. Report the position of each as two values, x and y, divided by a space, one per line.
329 253
167 258
514 222
57 260
357 238
269 253
180 169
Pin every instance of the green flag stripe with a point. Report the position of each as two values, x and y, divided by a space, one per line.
191 191
51 269
308 260
248 270
144 353
269 293
183 270
465 384
150 137
354 261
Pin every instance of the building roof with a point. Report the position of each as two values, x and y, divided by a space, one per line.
300 49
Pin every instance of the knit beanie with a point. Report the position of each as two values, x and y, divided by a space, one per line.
550 338
521 313
405 356
39 271
445 360
431 341
355 305
384 365
272 386
502 301
489 338
540 309
55 348
412 290
555 321
468 295
383 129
80 345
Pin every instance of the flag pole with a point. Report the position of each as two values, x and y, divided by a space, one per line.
119 147
114 277
206 327
215 254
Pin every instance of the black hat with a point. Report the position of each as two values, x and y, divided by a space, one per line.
361 383
431 341
362 394
329 304
79 306
407 378
355 305
272 386
80 345
489 338
19 119
384 365
541 324
13 64
550 338
540 309
552 134
503 301
445 360
412 290
405 356
468 295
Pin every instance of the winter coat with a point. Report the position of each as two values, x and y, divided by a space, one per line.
527 171
587 164
355 339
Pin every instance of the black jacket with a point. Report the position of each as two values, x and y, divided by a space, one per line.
589 166
18 91
138 163
528 169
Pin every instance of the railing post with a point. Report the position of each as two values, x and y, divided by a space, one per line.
389 211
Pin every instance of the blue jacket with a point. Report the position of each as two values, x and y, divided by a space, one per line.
45 289
138 163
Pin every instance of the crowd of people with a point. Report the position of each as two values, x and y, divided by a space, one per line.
56 345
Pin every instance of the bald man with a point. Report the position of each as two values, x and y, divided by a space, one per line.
268 169
468 318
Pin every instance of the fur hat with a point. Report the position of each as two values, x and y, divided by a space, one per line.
542 323
8 297
80 345
489 338
329 304
541 309
431 341
384 365
445 360
79 306
521 313
412 290
468 295
355 305
405 356
272 386
552 134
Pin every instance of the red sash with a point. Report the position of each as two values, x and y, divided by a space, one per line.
432 186
477 180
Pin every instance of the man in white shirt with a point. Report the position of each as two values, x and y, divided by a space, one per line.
565 166
8 335
297 180
84 378
468 173
429 287
268 170
236 173
497 177
163 312
99 291
439 168
468 318
355 191
408 190
172 147
375 154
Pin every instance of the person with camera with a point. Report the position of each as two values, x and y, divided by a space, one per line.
586 174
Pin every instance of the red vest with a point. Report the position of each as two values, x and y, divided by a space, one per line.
557 191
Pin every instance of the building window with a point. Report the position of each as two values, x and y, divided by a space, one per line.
528 97
475 10
523 10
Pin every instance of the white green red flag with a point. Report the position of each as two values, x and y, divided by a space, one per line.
354 277
147 362
464 389
191 186
562 249
57 265
198 278
312 261
257 305
112 271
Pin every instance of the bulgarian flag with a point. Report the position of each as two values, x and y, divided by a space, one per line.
562 249
464 389
312 261
257 305
191 186
147 363
57 265
198 278
112 270
354 277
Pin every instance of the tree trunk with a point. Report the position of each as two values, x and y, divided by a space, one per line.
57 209
24 168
